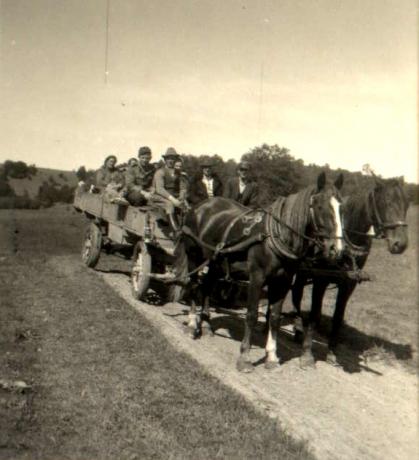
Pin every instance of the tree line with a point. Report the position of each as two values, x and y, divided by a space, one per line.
274 168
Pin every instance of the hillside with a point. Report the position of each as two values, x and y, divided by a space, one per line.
31 184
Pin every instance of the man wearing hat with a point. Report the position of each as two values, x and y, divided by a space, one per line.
139 178
167 187
206 184
243 188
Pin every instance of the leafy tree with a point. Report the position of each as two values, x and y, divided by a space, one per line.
276 171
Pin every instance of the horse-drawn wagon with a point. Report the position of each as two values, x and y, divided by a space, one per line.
158 257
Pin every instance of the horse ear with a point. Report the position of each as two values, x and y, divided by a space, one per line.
321 181
339 181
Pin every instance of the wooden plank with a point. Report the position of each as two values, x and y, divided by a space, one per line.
128 218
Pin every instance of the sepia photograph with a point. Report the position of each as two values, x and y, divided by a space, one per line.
209 229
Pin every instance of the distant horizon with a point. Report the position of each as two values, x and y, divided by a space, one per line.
120 160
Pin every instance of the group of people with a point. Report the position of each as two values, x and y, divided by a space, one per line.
167 185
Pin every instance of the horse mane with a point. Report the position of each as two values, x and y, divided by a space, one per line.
293 213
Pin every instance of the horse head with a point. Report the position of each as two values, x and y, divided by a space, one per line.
326 219
389 204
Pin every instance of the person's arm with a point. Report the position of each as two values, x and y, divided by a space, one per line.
254 196
130 181
101 181
228 193
159 184
218 187
183 187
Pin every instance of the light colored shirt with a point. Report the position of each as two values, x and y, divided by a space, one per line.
209 184
242 185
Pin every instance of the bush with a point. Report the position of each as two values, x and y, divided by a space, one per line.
5 189
17 169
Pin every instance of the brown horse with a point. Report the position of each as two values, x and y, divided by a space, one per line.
383 209
268 243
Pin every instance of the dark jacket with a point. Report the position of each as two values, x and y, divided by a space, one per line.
198 190
139 178
249 197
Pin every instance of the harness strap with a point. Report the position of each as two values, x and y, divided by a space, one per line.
383 225
220 246
259 237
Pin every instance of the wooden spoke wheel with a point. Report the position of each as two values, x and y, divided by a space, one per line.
176 290
92 245
141 269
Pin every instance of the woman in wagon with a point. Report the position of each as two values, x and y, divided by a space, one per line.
108 173
139 178
168 192
109 180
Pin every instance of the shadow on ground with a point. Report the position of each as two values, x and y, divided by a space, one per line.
356 349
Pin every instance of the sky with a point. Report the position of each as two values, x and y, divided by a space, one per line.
334 81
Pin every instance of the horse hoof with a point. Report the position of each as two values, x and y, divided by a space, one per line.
207 330
307 362
271 365
331 359
245 367
191 332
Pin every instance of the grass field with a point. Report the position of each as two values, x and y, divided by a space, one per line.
104 383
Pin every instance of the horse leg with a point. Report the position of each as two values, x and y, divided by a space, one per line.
206 317
297 296
255 286
193 327
276 296
319 288
194 320
344 292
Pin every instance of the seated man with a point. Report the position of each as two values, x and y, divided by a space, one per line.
205 184
167 187
139 178
243 188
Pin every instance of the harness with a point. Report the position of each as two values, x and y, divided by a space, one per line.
272 234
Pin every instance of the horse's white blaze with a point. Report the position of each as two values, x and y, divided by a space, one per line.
271 346
339 227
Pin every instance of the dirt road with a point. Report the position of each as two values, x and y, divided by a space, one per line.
368 411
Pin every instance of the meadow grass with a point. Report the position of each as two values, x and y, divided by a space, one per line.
105 383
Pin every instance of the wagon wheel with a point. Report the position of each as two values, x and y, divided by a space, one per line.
176 290
141 268
92 245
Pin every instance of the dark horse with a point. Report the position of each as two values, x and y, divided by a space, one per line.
268 243
382 209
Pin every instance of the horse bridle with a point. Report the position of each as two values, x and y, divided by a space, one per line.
317 232
382 226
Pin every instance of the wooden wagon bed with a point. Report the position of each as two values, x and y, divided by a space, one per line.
140 233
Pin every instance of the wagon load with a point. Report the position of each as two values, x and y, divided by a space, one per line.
158 257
